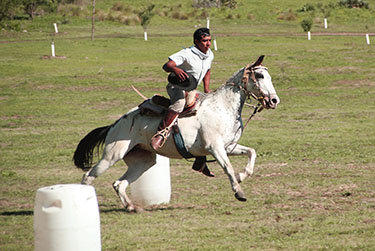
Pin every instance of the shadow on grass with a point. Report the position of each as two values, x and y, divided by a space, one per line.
154 208
112 210
17 213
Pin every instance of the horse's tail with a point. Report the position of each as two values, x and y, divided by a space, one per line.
84 153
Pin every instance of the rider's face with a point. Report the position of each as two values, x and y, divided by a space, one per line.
204 44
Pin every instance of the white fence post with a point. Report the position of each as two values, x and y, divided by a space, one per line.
367 39
53 49
56 30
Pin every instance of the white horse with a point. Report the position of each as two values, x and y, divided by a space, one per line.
214 130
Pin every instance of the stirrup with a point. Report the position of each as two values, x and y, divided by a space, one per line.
164 133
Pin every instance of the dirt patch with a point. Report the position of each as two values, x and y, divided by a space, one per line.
53 57
353 83
9 204
337 70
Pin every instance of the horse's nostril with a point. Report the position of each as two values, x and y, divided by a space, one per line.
274 101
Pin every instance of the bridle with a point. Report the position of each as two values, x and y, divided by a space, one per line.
249 72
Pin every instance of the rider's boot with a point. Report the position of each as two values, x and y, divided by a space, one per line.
201 166
164 129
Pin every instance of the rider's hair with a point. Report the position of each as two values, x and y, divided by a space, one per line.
200 33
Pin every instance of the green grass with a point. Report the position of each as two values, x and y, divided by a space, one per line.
313 182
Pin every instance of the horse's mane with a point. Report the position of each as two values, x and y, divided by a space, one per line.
230 80
203 96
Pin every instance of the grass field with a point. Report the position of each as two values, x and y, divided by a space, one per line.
313 187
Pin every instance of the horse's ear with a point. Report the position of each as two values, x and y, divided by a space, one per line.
258 62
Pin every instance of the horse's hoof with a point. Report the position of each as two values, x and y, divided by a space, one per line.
134 209
87 180
139 210
240 196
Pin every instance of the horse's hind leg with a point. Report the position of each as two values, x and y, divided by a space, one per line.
112 153
249 169
138 161
95 171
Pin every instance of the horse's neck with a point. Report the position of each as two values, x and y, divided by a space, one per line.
230 98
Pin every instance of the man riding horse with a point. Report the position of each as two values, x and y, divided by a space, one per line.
188 68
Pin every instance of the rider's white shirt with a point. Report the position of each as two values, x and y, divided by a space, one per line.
195 63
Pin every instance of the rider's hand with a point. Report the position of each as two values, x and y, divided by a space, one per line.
181 74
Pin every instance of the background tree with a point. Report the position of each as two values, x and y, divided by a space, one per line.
306 24
146 15
326 9
31 6
8 9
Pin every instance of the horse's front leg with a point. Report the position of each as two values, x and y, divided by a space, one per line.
221 156
249 168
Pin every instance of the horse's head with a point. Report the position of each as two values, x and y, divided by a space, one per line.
255 80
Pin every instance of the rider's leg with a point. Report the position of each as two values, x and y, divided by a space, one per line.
177 97
159 138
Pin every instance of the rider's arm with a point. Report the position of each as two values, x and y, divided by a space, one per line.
171 66
206 81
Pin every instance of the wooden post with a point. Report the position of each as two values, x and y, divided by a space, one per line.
93 20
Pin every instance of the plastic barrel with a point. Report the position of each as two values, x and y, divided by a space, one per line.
66 218
154 186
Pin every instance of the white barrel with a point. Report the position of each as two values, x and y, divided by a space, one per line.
66 218
154 186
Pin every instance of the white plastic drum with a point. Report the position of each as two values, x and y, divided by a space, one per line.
154 186
66 218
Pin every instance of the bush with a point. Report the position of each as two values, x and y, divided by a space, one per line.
353 4
307 7
71 10
179 15
128 20
232 4
288 16
250 16
306 24
11 25
122 7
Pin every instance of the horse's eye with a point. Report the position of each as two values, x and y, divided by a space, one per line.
259 75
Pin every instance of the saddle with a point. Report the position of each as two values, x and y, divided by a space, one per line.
158 105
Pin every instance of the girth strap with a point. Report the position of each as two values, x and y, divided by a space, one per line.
180 144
